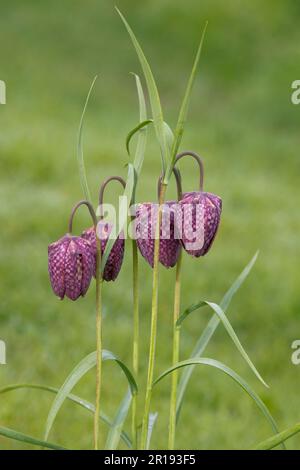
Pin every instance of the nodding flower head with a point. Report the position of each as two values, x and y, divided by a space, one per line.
145 227
71 264
198 216
146 220
200 212
115 258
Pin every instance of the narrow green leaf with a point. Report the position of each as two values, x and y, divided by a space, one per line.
156 108
139 127
142 137
222 317
209 332
73 398
73 378
225 302
278 439
184 107
18 436
151 423
80 158
168 135
115 431
231 373
123 215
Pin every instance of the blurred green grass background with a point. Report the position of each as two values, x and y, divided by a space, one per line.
243 123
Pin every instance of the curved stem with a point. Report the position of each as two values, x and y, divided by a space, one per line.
154 312
198 160
135 351
176 335
90 208
103 186
98 341
175 355
98 315
99 281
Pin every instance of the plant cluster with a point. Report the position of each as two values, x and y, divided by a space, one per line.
163 230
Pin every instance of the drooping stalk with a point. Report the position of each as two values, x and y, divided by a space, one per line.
135 351
98 342
154 312
176 312
99 282
98 315
175 355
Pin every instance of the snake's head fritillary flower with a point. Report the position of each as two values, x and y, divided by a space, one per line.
71 264
145 226
115 259
198 217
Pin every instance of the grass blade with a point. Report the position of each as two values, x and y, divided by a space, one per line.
139 127
80 158
115 431
278 439
18 436
168 135
73 398
231 373
209 331
156 108
142 138
128 195
151 423
222 317
73 378
184 107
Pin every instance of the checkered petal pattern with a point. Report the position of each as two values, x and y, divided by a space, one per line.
197 218
145 223
71 264
115 259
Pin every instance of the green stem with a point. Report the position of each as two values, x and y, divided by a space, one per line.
135 352
98 343
153 332
175 355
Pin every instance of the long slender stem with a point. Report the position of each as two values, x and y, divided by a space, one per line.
99 281
175 355
98 342
154 312
135 351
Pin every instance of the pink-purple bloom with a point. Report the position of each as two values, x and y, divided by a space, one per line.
198 216
115 259
145 226
71 264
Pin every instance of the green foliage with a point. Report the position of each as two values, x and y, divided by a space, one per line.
18 436
240 118
84 366
279 438
231 373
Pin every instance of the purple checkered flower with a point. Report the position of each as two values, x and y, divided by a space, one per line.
145 227
197 219
71 264
115 259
